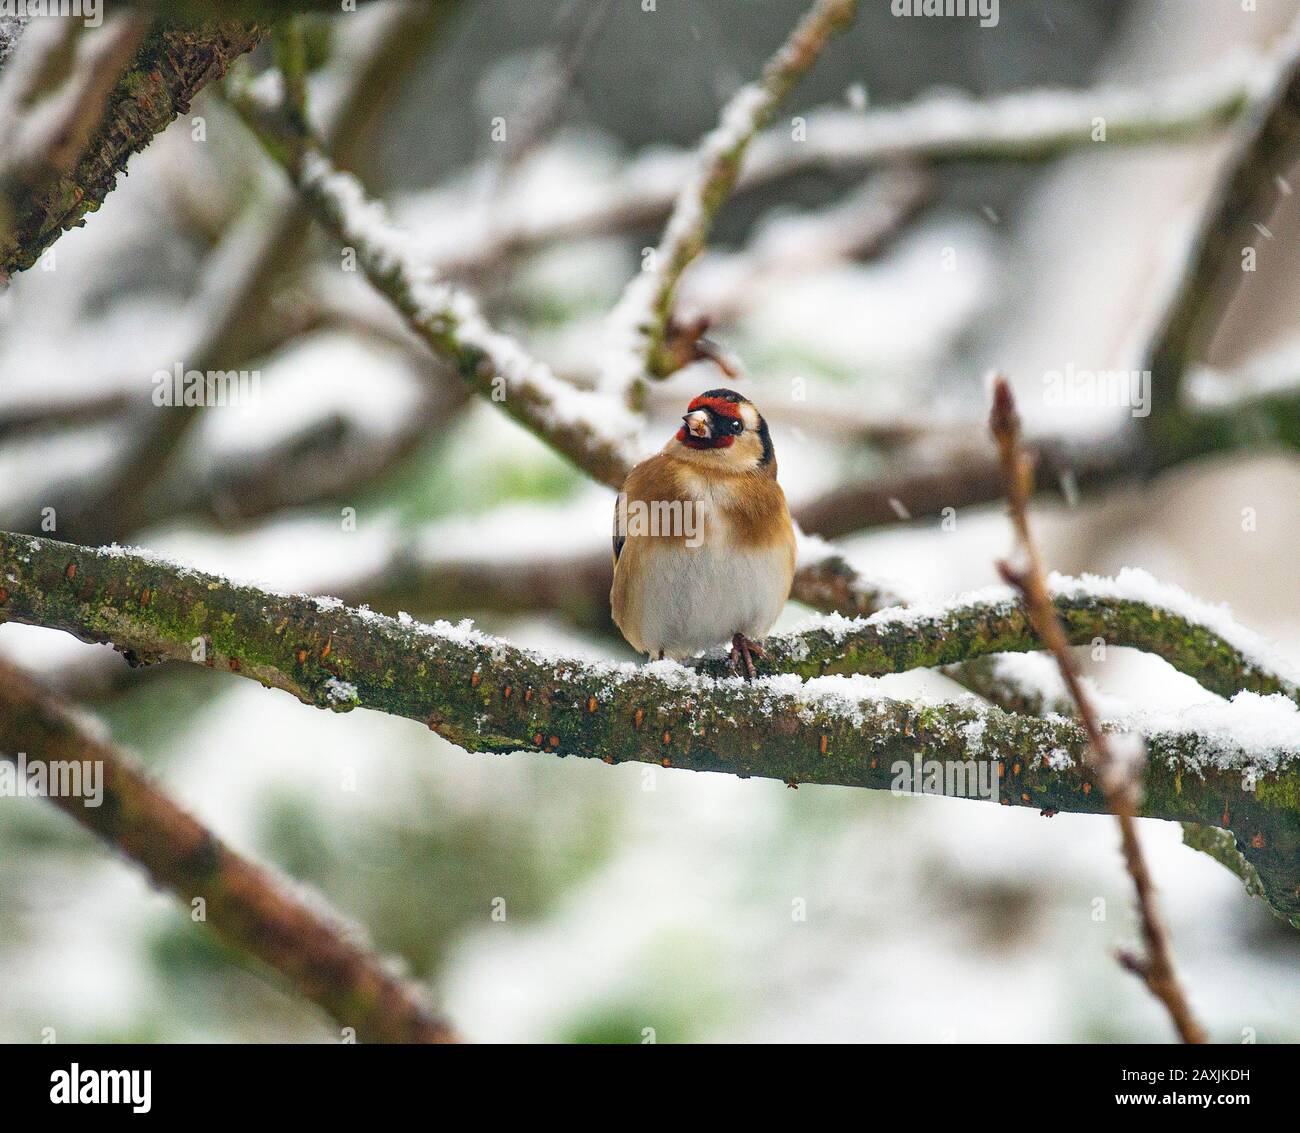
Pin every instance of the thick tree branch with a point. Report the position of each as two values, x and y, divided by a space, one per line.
1132 610
168 70
484 694
253 911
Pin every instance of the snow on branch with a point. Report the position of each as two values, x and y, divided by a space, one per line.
597 433
1023 125
170 67
1030 125
249 907
1131 610
643 315
484 694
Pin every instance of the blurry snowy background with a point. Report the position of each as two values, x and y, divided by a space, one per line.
639 897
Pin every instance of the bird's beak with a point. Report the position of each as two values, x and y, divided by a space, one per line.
699 424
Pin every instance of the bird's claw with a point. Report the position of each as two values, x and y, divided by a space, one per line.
743 652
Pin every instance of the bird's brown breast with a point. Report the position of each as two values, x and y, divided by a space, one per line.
749 507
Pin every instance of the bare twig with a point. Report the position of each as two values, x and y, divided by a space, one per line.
245 904
1118 778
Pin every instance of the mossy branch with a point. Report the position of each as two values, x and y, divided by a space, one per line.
169 69
896 640
253 911
484 694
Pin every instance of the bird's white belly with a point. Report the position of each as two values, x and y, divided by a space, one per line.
699 597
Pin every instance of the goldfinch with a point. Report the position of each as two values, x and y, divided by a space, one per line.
704 549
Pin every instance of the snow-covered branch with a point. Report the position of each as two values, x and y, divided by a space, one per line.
643 315
597 433
246 905
1234 765
1131 610
1031 125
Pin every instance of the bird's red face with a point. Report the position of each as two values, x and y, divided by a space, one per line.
710 422
723 431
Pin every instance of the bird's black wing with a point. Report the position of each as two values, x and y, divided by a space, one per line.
619 540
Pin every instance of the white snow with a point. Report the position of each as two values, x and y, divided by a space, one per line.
1131 584
445 313
1265 730
340 691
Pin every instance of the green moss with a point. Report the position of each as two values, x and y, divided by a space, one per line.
1281 793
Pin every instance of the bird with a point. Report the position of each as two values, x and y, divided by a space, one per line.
704 549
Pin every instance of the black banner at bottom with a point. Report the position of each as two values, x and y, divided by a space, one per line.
145 1082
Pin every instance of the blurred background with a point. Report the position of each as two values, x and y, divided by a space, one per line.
703 907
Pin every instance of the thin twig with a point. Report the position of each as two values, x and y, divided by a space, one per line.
245 904
644 312
1118 778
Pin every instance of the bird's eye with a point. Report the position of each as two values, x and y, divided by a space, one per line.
736 426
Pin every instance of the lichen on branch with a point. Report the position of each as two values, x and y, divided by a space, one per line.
1132 610
169 69
484 694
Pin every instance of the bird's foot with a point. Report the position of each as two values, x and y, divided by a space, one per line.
743 652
